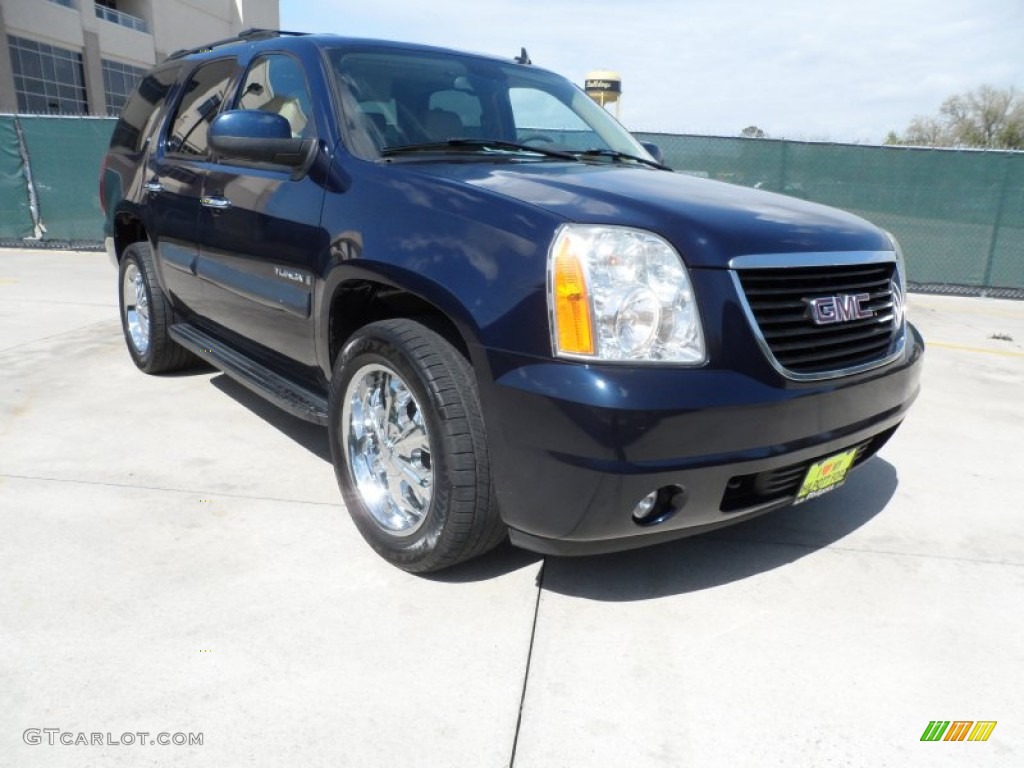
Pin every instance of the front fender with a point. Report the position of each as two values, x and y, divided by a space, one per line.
396 277
479 257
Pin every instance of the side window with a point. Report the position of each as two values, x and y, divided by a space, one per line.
203 96
137 119
276 83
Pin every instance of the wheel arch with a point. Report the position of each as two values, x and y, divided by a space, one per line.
365 296
128 229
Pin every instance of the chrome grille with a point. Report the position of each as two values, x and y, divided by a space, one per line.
779 302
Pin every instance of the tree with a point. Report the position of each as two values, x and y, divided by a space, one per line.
985 117
753 132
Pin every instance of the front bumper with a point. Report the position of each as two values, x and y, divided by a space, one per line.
575 447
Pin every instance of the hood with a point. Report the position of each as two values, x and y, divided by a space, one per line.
709 222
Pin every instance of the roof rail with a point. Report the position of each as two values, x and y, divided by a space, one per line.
245 36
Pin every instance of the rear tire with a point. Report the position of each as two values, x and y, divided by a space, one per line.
146 315
408 443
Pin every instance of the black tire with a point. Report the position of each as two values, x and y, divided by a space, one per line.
154 351
461 519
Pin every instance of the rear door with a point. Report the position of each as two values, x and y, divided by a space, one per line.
173 182
133 138
260 227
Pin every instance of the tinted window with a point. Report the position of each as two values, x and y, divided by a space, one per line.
277 83
400 98
465 105
137 118
203 96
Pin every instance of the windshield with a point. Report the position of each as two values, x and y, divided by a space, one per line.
407 98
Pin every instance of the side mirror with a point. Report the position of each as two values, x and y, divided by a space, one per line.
654 151
261 137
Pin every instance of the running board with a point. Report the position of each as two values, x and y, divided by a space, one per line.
285 394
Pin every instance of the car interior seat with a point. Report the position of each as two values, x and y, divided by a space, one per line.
442 124
291 110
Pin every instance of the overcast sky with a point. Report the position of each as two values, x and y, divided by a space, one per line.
839 70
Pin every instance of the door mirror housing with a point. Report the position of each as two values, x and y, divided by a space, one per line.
654 151
259 137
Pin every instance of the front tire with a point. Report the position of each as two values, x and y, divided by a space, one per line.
409 449
146 315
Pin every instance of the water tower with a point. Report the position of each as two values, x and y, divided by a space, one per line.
604 87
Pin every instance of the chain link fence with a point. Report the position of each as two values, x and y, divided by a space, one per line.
959 214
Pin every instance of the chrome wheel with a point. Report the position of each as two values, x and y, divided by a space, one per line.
387 448
136 308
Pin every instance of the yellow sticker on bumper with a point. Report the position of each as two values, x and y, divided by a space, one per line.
826 475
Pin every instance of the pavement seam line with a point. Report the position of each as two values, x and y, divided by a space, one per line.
168 490
730 540
529 660
5 350
974 312
980 350
63 303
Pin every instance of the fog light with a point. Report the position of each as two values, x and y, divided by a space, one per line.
658 506
645 507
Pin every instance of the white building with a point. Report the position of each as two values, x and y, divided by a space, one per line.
85 56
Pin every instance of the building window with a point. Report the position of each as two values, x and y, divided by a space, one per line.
118 83
47 79
65 3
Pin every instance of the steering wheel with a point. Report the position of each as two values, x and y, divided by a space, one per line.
539 138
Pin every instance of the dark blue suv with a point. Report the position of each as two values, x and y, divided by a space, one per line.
511 317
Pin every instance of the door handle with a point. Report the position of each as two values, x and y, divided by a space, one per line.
154 186
217 203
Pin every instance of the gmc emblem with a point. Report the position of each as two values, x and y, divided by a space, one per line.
839 309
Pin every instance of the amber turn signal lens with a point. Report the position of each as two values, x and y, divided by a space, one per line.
572 305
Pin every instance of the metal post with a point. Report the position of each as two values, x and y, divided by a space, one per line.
30 185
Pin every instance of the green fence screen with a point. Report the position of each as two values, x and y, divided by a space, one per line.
959 214
65 154
15 216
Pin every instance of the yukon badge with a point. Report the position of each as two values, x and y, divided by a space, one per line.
839 309
291 274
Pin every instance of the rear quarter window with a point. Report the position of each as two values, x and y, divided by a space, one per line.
138 118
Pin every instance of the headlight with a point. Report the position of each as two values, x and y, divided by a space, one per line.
619 294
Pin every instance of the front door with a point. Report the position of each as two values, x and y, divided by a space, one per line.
260 228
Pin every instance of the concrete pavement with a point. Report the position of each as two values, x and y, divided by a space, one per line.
175 557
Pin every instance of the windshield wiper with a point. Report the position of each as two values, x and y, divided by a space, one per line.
616 155
476 144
